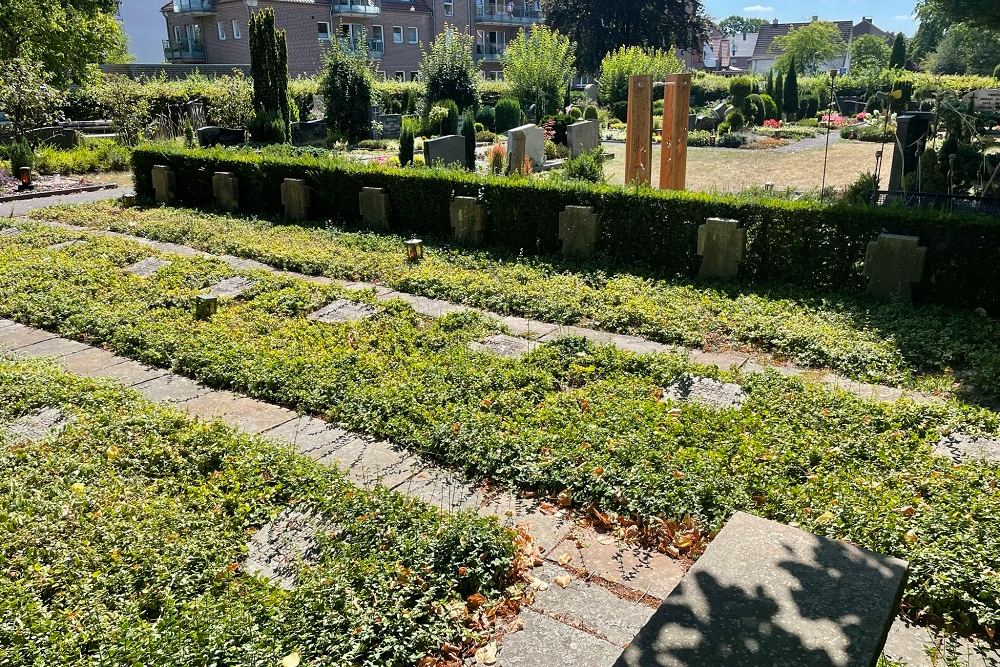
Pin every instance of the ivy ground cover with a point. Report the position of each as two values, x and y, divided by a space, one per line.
890 343
584 422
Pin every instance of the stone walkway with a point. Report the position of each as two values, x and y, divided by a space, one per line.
591 595
544 331
20 208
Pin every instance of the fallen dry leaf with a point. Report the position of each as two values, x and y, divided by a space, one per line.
537 583
564 580
825 517
516 626
487 655
291 660
565 498
564 559
547 508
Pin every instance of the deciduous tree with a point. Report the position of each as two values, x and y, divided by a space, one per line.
27 95
539 67
809 47
734 25
869 53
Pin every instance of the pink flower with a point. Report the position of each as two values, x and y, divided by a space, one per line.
772 123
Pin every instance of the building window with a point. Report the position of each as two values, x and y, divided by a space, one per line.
414 76
382 75
323 31
378 39
222 31
411 35
497 76
236 30
397 34
177 34
449 7
400 76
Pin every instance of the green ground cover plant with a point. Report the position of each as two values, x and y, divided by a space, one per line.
570 418
122 538
868 340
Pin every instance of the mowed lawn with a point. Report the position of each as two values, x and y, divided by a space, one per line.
733 170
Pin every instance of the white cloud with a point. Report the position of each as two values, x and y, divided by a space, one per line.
902 17
758 9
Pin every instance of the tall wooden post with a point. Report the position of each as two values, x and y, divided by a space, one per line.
639 135
673 152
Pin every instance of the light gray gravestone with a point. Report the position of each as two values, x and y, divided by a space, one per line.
65 244
527 141
8 232
467 220
987 99
342 310
226 188
960 446
583 137
275 551
295 196
37 425
893 263
590 90
722 246
164 183
766 594
706 391
504 346
374 205
230 288
578 230
447 150
145 268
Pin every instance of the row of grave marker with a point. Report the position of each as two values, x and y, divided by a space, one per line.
893 263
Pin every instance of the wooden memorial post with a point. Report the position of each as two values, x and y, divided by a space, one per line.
673 151
639 135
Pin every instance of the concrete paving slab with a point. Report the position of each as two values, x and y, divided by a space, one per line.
589 606
230 288
147 268
37 425
547 530
705 391
342 310
18 335
130 373
170 388
425 306
368 461
52 347
276 550
545 642
310 436
86 362
520 326
442 489
724 360
502 345
601 556
238 411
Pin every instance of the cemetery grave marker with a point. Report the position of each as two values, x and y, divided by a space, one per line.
309 133
448 150
165 184
145 268
226 188
295 196
958 446
342 310
639 133
526 141
706 391
221 136
987 99
37 425
467 220
893 263
504 346
578 230
374 205
676 123
583 137
276 549
722 246
230 288
8 232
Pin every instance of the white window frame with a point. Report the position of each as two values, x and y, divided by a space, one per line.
399 76
416 35
237 33
178 34
397 30
222 31
378 34
449 7
382 74
319 35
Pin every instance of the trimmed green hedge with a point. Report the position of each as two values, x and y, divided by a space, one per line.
798 243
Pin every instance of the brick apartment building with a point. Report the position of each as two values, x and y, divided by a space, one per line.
214 32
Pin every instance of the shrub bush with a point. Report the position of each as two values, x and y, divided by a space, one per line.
799 243
450 124
268 128
618 65
347 90
93 156
575 113
487 116
449 72
406 141
20 155
486 137
759 112
770 108
736 120
587 167
731 140
508 114
872 133
699 138
469 133
590 113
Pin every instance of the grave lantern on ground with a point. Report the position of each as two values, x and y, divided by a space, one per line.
414 250
24 175
206 306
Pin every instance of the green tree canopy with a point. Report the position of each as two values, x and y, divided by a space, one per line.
897 58
734 25
27 96
539 66
809 46
966 49
619 65
983 13
69 37
598 27
869 53
449 70
929 34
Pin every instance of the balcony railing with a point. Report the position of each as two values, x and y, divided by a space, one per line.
357 7
508 13
195 7
184 49
490 53
376 47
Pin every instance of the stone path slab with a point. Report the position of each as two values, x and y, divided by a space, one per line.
504 346
705 391
90 360
547 529
230 288
65 244
442 489
546 642
244 413
170 388
276 550
37 425
51 347
128 372
959 446
342 310
17 336
368 462
8 232
146 268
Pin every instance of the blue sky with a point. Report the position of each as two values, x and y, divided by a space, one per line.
145 25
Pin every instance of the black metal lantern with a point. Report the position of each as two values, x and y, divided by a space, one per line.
414 250
24 175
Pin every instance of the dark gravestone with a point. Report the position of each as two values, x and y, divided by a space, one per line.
768 594
449 150
911 134
312 133
57 137
221 136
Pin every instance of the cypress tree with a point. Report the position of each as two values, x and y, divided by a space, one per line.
898 57
469 132
779 94
769 85
269 70
791 93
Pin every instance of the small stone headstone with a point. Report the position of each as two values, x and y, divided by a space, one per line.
504 346
230 288
447 150
65 244
279 546
590 90
722 246
578 230
721 110
57 137
8 232
583 137
959 446
467 220
526 141
206 306
221 136
164 183
342 310
319 104
145 268
226 188
37 425
706 391
309 133
374 205
987 99
894 263
295 196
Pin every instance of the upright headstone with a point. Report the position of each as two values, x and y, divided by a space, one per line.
893 263
590 90
676 122
226 188
578 230
57 137
467 220
319 104
311 133
583 137
639 133
295 196
447 150
911 134
526 141
722 246
987 100
164 183
374 205
221 136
